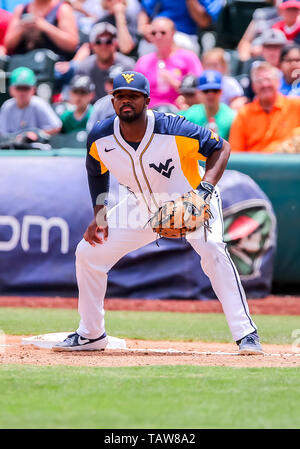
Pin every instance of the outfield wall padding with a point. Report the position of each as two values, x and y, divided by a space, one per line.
45 208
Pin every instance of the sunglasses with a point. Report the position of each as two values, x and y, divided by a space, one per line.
103 41
189 94
211 90
291 60
23 88
80 91
154 33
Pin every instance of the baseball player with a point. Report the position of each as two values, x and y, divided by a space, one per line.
155 155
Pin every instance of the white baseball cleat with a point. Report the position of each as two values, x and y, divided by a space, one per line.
74 342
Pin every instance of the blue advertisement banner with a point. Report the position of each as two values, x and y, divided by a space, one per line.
45 208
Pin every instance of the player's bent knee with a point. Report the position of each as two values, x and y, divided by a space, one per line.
92 256
83 251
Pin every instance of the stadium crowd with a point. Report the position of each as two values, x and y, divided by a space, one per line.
59 59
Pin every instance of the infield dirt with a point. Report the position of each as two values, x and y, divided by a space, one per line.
275 355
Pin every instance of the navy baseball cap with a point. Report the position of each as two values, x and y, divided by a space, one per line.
210 79
130 80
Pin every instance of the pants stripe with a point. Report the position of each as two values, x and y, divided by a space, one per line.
240 287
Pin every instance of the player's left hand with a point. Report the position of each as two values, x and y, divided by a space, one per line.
176 219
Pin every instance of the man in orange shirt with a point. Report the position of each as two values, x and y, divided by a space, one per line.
261 126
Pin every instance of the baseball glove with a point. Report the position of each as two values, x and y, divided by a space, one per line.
177 218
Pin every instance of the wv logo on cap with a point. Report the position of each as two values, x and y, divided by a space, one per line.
128 77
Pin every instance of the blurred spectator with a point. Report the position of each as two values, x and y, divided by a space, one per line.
166 67
125 23
43 24
270 119
232 92
104 44
5 18
82 91
25 110
211 113
290 25
86 13
9 5
189 94
120 13
133 8
272 42
263 19
187 15
103 107
290 67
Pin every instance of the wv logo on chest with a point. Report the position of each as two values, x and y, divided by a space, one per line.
164 169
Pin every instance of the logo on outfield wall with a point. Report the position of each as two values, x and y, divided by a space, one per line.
19 232
249 231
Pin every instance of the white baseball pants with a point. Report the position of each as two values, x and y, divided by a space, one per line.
93 264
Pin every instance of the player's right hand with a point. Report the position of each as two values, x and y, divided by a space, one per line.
93 231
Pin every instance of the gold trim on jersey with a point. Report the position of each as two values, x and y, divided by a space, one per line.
134 172
143 171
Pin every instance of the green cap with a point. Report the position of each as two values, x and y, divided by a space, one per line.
22 76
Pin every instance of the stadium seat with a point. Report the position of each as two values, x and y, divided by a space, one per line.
244 80
4 62
3 79
234 19
3 97
83 37
234 62
61 106
76 139
41 61
207 39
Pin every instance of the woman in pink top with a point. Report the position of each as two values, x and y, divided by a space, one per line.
166 67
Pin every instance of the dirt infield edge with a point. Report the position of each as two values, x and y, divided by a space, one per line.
271 305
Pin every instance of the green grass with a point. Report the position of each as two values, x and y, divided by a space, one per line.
147 325
149 397
154 397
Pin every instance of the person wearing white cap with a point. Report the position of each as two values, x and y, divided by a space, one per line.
272 42
103 41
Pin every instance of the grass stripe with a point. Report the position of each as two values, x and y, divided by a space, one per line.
149 397
147 325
